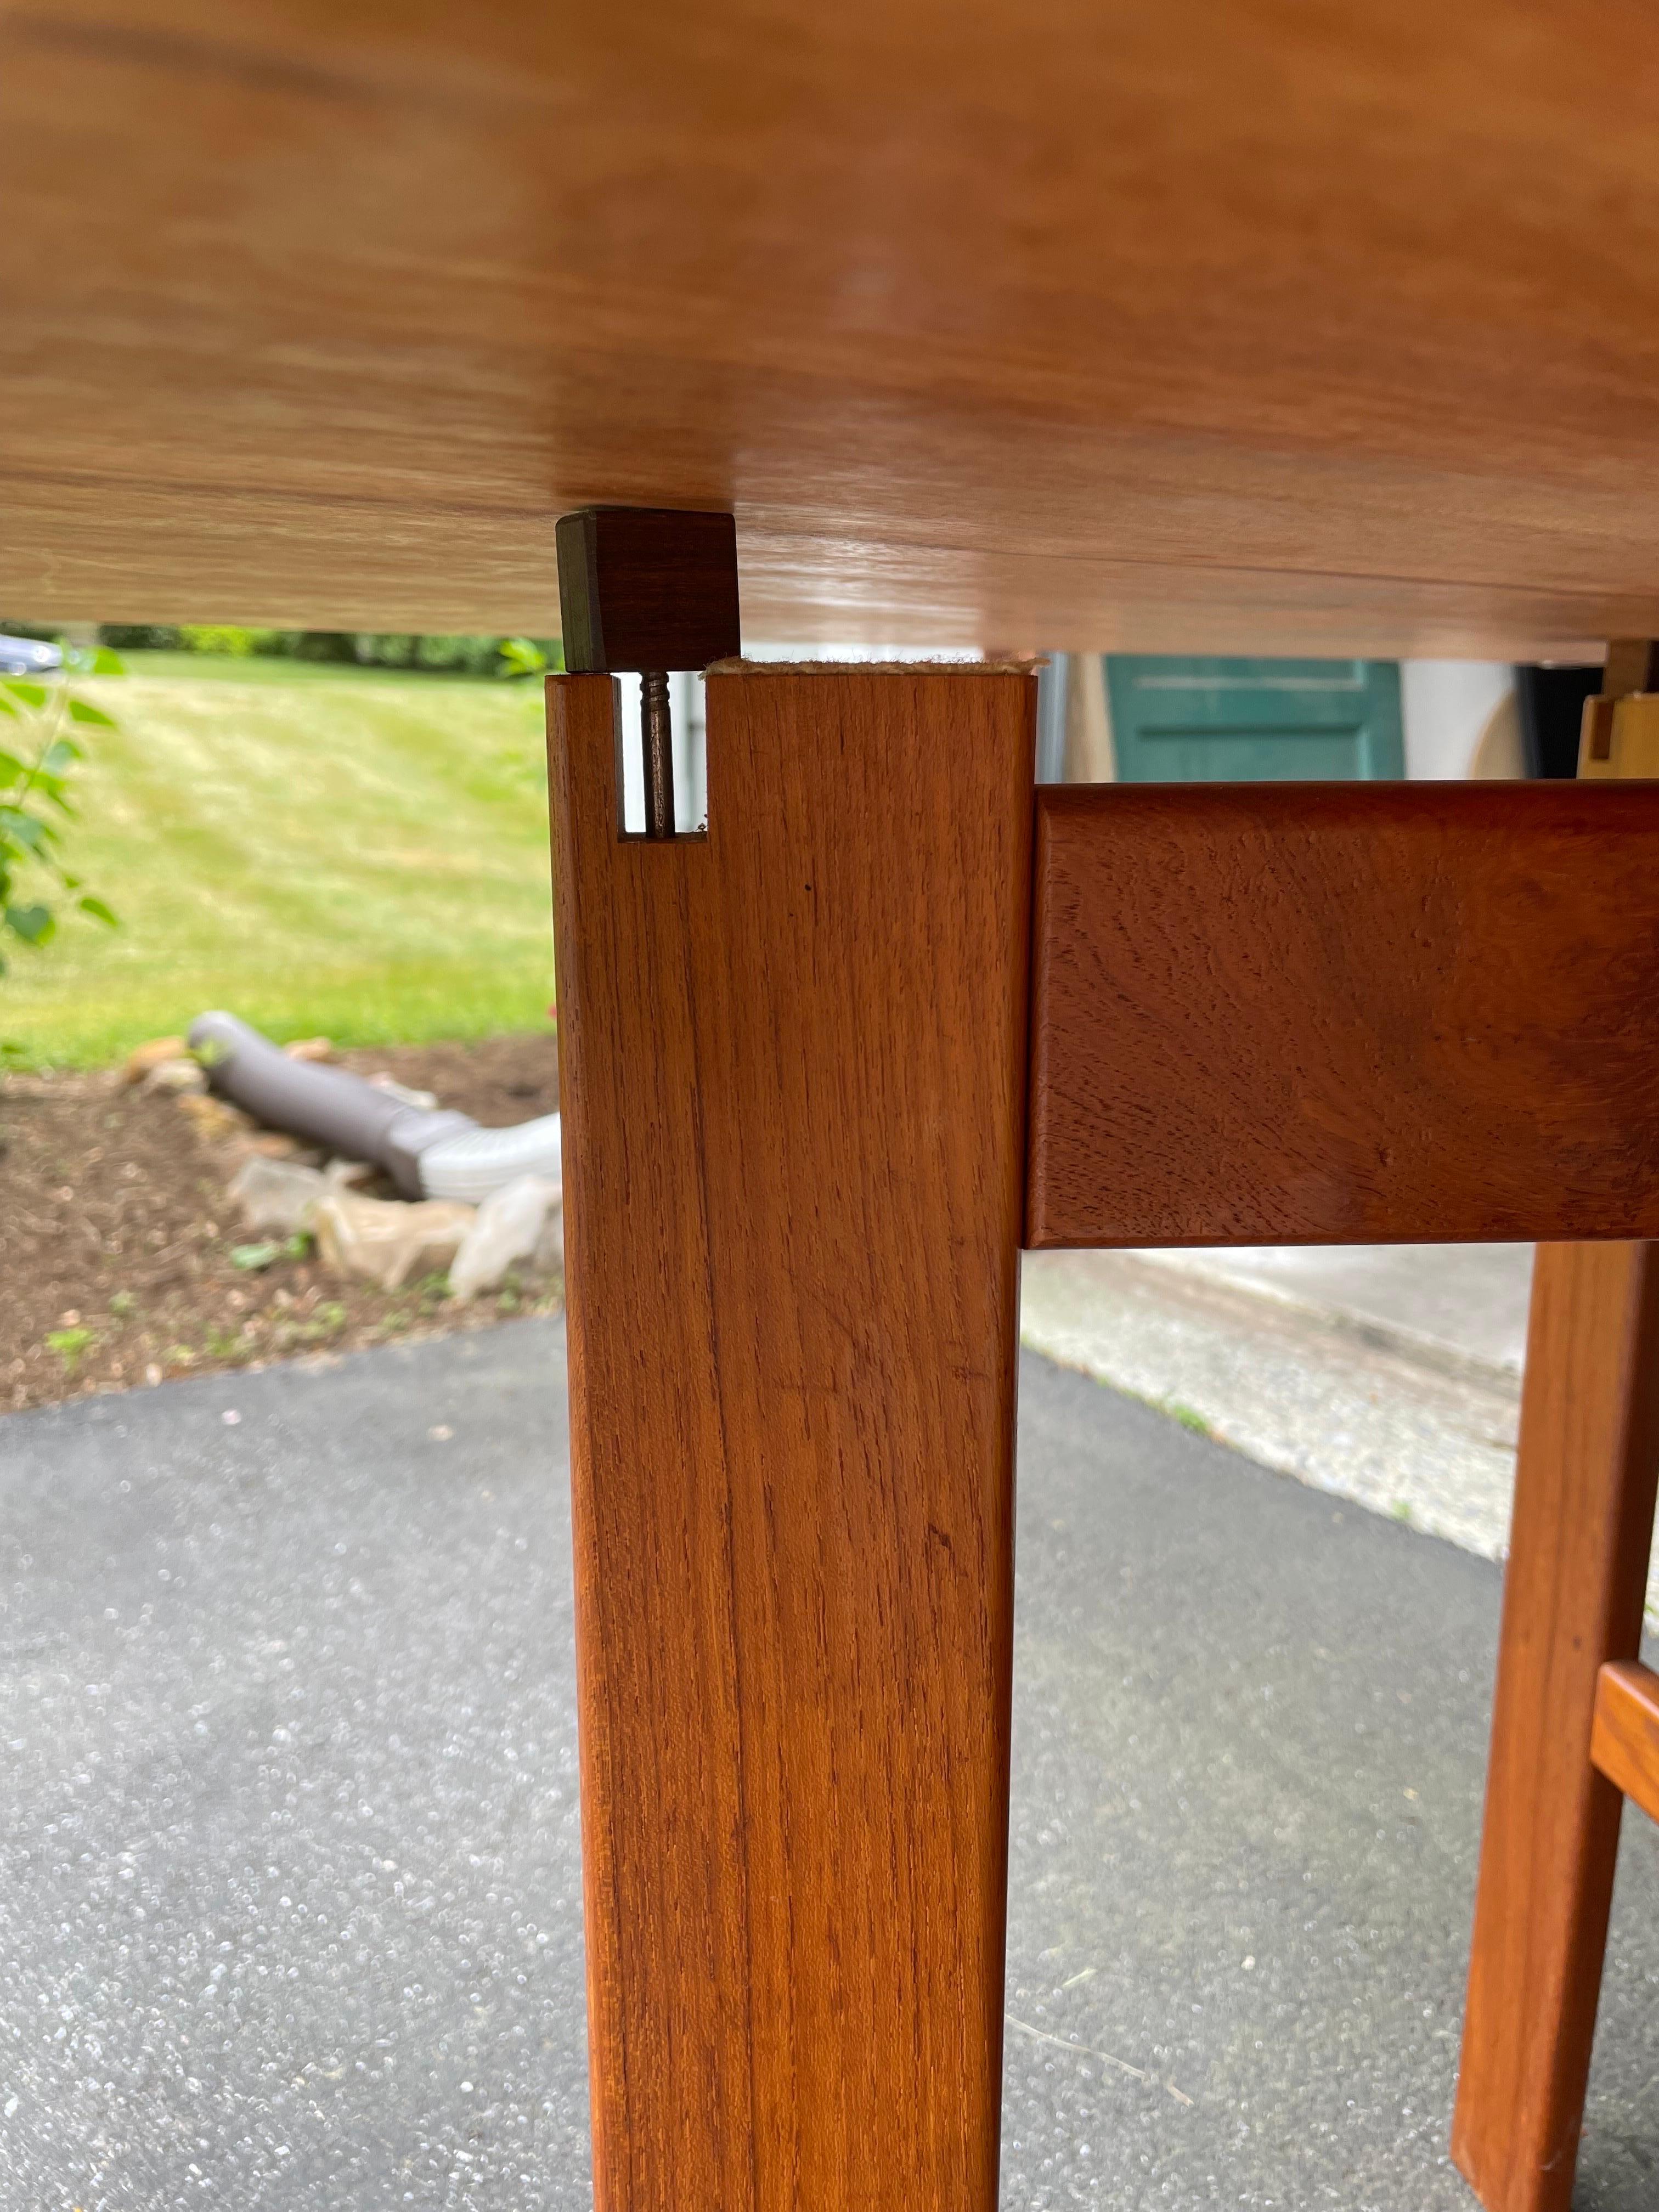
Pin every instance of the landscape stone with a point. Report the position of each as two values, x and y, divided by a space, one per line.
388 1240
510 1226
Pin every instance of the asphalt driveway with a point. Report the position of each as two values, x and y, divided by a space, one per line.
289 1878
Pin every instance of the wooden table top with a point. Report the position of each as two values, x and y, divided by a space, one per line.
1158 324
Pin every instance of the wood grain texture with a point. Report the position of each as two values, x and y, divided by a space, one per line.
1219 325
1572 1600
1624 1742
1344 1013
792 1060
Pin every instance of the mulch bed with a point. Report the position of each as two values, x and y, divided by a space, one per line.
116 1232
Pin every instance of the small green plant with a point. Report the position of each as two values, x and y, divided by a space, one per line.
122 1302
69 1345
36 718
1188 1416
322 1322
254 1257
257 1257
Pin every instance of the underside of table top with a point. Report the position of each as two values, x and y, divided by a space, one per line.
1213 325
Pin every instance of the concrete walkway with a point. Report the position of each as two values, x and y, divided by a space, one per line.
1387 1373
289 1914
1447 1305
1292 1371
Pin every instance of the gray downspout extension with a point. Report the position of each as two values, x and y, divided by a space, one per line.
326 1106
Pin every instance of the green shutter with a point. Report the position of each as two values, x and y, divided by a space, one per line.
1176 720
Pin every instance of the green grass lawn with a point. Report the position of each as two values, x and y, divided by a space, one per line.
361 853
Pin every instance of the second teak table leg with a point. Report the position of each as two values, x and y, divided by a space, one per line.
1572 1599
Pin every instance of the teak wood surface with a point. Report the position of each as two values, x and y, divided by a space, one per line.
791 1064
1580 1532
1209 326
1306 1014
1624 1743
1573 1590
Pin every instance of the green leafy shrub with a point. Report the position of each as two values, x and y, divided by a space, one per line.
455 656
524 656
458 656
225 638
36 756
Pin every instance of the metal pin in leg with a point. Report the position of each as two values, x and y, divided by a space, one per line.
657 733
645 590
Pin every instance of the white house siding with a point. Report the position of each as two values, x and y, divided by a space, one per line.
1448 709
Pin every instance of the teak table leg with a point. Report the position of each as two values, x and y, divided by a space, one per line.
1572 1599
792 1059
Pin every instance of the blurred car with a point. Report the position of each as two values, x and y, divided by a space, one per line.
28 656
